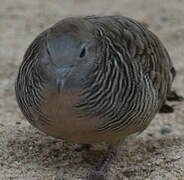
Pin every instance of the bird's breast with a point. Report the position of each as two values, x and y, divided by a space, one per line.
60 118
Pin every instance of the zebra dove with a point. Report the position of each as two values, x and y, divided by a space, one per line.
95 79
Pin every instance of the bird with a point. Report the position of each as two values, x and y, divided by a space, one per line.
95 79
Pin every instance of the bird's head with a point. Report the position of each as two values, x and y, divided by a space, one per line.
70 53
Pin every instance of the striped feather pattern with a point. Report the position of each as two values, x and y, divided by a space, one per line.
132 78
127 86
30 83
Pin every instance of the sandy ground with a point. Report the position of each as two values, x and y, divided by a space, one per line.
27 154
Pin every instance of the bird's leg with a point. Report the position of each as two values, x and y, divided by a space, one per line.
102 172
112 152
83 147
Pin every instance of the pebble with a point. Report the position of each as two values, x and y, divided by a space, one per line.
165 130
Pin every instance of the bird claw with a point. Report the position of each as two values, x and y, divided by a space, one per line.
98 175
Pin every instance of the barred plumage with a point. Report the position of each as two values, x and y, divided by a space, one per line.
127 74
94 79
29 85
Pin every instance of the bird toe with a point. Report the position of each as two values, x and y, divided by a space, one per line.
98 175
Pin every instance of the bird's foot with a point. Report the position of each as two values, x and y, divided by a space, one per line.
102 172
98 175
83 147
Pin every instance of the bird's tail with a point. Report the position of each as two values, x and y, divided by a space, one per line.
172 96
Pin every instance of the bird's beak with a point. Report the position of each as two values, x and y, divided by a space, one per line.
63 72
60 84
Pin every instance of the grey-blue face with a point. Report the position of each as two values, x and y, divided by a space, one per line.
70 53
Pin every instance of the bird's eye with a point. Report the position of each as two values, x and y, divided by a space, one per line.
83 52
